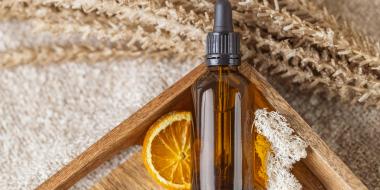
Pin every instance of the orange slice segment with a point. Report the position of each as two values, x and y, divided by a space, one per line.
166 150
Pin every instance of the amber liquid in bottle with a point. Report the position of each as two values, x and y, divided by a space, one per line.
227 153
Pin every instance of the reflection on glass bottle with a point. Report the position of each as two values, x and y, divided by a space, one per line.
227 153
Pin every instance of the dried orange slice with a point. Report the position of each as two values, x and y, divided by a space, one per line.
166 150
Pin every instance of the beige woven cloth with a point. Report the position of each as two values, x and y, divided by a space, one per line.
50 114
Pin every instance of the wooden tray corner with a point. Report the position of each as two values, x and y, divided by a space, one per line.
322 169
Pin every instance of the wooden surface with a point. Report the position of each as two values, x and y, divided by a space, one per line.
306 178
132 175
129 175
323 163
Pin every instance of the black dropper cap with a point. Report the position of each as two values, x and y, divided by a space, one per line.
223 44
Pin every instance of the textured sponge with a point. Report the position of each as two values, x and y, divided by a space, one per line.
287 148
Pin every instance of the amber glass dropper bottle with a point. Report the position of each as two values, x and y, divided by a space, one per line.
224 152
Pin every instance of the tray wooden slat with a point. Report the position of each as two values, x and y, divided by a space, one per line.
132 175
129 175
321 161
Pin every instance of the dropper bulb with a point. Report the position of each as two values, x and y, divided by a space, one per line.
223 16
223 44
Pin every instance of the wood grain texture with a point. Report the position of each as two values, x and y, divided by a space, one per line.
129 175
132 175
306 177
324 165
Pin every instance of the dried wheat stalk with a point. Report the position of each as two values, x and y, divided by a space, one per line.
321 54
300 64
79 53
315 15
134 42
118 33
302 49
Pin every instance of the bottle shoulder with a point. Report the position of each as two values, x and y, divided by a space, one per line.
233 79
237 82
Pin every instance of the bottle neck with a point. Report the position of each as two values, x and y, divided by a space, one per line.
223 68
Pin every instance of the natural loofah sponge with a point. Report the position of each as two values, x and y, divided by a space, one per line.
287 148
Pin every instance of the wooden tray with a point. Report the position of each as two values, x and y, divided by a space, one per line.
321 169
